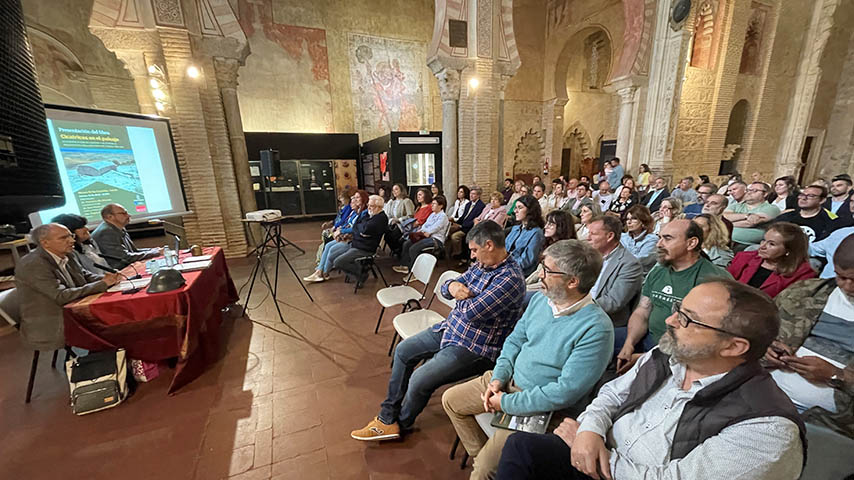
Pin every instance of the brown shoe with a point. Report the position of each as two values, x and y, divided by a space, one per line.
376 430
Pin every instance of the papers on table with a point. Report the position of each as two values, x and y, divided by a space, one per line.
200 258
191 266
130 284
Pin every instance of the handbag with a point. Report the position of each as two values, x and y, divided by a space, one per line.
417 236
97 381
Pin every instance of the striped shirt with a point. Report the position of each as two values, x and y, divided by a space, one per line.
480 324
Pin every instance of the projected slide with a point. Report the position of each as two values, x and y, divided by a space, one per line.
107 157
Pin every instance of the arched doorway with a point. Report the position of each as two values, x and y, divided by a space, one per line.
734 137
576 147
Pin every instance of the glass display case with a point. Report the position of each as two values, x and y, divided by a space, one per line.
303 188
420 169
317 178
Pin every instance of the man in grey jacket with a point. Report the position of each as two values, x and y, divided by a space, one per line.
114 241
46 279
621 277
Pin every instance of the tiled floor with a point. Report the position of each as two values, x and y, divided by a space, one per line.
279 404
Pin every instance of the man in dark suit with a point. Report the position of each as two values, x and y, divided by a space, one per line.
653 198
114 241
46 279
621 278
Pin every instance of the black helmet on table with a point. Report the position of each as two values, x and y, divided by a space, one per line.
166 280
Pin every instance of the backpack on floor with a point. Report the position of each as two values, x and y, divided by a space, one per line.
97 381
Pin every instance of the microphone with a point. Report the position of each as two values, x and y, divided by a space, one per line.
164 223
106 268
113 270
118 259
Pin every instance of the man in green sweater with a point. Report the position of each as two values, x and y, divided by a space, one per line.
552 359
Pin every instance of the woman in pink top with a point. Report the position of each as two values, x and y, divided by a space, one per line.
494 211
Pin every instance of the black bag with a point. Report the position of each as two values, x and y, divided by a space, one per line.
97 381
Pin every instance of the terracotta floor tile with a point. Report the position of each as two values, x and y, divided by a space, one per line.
297 443
263 448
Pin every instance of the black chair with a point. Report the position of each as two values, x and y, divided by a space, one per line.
68 354
368 266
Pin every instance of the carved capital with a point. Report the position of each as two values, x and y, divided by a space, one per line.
628 94
449 84
226 72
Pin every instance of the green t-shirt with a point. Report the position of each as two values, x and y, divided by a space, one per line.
663 286
752 236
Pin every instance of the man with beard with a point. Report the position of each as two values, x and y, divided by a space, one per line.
699 406
681 267
556 353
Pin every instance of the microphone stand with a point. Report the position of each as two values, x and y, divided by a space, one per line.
117 259
164 223
133 289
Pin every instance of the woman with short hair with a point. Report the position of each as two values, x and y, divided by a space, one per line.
638 238
585 216
431 234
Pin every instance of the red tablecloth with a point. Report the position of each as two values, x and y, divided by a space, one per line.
183 323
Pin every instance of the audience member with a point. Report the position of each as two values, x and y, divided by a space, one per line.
621 205
622 274
716 205
517 192
524 190
814 353
488 304
715 239
587 214
627 181
550 361
748 216
525 240
459 230
814 220
461 206
647 424
345 218
704 191
581 199
367 233
342 237
431 234
571 185
652 200
840 192
644 178
559 226
670 209
86 251
639 239
603 196
826 249
114 241
780 261
381 191
424 208
46 279
539 193
436 189
507 191
685 191
557 199
680 268
617 173
785 194
736 192
536 179
400 207
494 211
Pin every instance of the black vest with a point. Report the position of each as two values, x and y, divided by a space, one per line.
746 392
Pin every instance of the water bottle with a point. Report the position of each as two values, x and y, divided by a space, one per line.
167 256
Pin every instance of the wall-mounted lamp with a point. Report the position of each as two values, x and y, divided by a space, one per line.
159 87
474 83
194 72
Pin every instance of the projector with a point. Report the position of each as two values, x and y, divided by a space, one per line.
263 215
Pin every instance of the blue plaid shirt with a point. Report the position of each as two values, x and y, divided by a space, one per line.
480 324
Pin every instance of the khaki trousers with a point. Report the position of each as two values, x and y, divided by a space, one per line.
462 402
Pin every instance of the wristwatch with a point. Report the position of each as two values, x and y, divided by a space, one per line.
836 381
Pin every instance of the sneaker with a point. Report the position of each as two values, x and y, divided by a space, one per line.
376 430
310 278
408 278
400 269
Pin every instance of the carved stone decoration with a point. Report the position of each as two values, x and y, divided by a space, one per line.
226 72
449 84
751 54
557 14
168 13
484 28
529 154
730 151
704 35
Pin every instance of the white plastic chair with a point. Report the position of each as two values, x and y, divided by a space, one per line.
414 321
404 294
9 309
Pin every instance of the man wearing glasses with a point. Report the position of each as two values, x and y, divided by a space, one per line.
699 406
814 220
114 241
748 216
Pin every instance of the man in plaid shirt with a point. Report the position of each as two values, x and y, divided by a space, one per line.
467 343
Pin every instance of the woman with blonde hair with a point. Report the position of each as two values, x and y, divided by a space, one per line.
715 239
671 209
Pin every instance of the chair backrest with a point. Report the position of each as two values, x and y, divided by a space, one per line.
422 270
437 290
9 308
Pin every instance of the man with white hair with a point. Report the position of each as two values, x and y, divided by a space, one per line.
367 233
46 279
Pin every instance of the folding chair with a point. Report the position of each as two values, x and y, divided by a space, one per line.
404 294
418 318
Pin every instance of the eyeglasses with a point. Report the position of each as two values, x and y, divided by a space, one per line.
685 320
549 271
752 190
808 195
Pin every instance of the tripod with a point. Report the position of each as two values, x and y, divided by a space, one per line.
272 233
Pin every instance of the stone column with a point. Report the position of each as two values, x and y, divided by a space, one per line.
449 89
553 126
226 77
135 62
626 126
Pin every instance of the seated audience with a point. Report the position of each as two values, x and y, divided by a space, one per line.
342 219
539 193
367 233
436 189
840 192
653 198
552 359
511 207
400 207
494 211
459 229
704 191
489 302
623 202
644 178
680 268
814 354
557 199
780 261
826 249
748 216
670 209
814 220
46 279
517 192
86 250
684 192
700 406
571 185
627 181
785 194
396 236
559 226
342 237
507 191
525 240
461 206
587 214
639 239
431 234
622 275
581 199
603 197
715 205
113 240
736 192
615 174
715 239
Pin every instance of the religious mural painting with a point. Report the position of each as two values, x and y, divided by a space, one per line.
707 28
285 83
751 54
387 84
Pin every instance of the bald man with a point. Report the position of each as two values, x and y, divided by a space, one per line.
46 279
114 241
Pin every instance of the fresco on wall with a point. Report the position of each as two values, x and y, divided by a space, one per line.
387 83
284 86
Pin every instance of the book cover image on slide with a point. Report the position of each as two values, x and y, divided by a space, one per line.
531 423
101 167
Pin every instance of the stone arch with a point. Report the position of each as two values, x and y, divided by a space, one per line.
62 77
577 146
566 55
576 130
529 155
733 145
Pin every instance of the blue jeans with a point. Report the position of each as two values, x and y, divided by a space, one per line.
409 391
620 334
410 251
330 252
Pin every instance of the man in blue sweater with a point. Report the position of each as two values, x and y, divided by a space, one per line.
556 353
